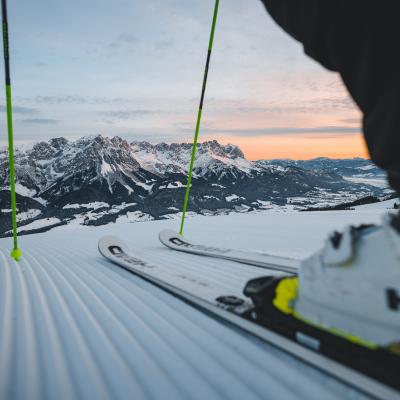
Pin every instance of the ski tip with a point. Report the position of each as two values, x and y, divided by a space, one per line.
166 234
106 241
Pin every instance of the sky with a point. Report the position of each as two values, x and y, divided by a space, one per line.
134 68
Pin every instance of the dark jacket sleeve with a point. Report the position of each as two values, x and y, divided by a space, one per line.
360 40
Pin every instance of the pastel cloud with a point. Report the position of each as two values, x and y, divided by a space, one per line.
139 74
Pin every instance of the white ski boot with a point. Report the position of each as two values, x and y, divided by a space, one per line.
344 302
351 288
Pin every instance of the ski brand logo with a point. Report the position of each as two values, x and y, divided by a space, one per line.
115 250
118 252
180 243
393 299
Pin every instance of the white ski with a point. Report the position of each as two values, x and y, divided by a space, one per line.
199 295
175 241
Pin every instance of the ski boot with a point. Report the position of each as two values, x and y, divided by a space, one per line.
345 301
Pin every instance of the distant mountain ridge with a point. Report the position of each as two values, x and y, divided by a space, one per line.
96 180
344 167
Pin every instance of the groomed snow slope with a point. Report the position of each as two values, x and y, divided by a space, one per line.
74 326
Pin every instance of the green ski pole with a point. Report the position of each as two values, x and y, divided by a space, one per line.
196 135
16 252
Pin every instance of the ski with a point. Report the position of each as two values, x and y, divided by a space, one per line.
175 241
241 313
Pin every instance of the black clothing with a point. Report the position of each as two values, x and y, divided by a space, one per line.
360 40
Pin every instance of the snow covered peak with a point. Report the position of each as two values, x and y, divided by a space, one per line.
211 157
152 179
229 151
58 143
60 166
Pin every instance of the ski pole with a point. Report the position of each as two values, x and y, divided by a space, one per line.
16 252
196 135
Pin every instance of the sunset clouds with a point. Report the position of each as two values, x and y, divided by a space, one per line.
134 69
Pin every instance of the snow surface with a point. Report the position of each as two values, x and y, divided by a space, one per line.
175 185
22 216
378 182
384 205
232 197
135 216
38 224
24 191
94 205
75 326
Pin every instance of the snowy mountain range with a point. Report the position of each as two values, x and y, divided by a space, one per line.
96 180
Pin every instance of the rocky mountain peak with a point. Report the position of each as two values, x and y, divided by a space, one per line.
43 150
229 150
58 143
96 179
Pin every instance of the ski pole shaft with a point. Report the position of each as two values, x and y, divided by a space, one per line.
198 123
16 252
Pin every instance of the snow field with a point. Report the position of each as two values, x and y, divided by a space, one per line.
75 326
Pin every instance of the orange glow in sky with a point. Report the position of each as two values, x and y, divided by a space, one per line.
300 147
282 121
